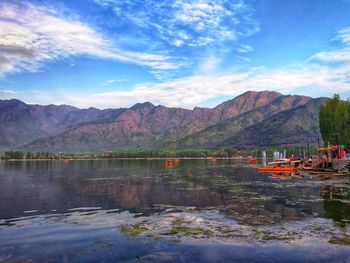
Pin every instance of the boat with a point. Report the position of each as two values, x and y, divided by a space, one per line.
328 173
281 175
283 165
171 162
253 161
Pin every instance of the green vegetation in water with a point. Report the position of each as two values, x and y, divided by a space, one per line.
340 241
231 233
190 231
133 230
228 231
179 222
268 236
194 211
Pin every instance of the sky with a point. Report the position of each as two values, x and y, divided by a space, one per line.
177 53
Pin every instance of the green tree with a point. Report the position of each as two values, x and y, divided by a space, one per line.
335 121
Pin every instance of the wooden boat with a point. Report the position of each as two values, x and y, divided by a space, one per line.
171 162
285 165
334 173
281 175
253 161
277 169
309 169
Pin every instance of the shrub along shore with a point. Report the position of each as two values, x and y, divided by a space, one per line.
151 154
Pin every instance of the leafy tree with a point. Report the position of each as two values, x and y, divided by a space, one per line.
335 121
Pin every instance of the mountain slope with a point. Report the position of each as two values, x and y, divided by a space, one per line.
214 135
248 120
295 127
143 125
21 123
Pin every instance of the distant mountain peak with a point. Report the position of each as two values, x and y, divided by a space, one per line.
143 105
12 102
266 92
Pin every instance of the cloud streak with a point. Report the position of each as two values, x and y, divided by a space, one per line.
197 32
113 81
187 23
339 55
196 90
7 91
312 77
31 35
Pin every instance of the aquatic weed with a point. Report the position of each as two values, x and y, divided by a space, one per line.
133 230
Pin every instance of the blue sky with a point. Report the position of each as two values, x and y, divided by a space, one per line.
179 53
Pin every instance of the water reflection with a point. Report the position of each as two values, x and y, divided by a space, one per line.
77 211
236 189
336 202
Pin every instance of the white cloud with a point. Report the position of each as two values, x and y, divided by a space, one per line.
7 91
26 45
309 78
209 65
113 81
334 56
196 90
245 48
191 23
344 36
31 35
339 55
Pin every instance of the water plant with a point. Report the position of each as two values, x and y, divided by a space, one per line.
132 230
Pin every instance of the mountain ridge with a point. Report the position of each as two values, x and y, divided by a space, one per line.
142 126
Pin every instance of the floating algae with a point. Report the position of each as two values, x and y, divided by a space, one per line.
189 231
211 224
179 222
345 240
194 211
132 230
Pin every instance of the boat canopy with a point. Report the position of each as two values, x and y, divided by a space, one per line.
278 162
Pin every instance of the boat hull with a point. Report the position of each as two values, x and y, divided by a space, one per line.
278 169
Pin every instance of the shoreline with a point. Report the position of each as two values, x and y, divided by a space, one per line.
133 158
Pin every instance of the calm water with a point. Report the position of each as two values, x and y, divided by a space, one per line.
141 211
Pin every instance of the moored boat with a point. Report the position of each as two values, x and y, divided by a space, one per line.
285 165
171 162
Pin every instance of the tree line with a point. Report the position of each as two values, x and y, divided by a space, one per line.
335 121
225 153
9 155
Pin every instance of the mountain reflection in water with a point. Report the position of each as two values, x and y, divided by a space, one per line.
141 211
143 186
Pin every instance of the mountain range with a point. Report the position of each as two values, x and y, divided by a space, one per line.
253 119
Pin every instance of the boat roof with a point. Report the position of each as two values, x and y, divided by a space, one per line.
278 162
332 147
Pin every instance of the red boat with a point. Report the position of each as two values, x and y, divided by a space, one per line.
285 165
171 162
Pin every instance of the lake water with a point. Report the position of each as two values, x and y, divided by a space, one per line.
196 211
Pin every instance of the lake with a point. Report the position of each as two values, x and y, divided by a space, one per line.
143 211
